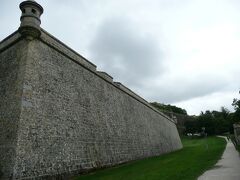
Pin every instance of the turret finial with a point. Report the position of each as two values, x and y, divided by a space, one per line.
30 19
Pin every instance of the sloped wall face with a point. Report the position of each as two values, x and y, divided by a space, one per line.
181 119
73 120
11 73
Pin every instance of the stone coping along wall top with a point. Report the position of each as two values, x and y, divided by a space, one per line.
10 40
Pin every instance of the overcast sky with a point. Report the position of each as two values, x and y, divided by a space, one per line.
182 52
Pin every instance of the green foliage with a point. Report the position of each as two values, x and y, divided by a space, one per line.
197 156
236 105
215 122
170 108
191 126
238 148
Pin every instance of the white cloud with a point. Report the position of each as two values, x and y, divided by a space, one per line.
209 102
120 49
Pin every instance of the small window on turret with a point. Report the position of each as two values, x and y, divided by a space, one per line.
24 11
33 11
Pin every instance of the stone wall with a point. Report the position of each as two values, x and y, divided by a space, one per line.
237 133
181 119
72 118
11 78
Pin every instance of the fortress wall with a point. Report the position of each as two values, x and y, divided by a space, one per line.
74 120
181 119
72 55
11 73
236 128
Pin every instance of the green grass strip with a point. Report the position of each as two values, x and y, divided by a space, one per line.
197 156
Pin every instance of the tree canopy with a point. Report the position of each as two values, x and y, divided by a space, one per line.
215 122
169 108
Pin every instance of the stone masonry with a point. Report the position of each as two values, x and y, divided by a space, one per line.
59 115
181 120
236 128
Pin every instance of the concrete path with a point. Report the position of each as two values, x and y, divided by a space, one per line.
227 168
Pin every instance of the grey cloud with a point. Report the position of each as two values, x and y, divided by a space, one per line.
123 51
182 89
9 17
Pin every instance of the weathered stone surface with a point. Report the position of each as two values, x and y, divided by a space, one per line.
62 116
181 120
11 79
67 51
105 76
9 41
237 132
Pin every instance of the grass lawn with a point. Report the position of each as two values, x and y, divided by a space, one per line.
197 156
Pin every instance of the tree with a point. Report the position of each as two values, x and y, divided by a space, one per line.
191 126
169 108
215 122
236 105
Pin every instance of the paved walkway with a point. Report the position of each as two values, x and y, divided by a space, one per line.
227 168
